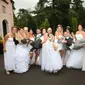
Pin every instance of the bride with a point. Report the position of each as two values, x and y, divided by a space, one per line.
9 50
21 56
75 59
50 60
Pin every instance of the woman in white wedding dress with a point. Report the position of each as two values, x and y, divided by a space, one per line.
75 59
21 57
59 38
54 60
9 51
43 54
31 54
50 59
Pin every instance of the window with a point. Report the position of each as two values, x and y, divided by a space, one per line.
3 9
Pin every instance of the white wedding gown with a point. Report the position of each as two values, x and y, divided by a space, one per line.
75 59
9 55
21 58
50 59
60 45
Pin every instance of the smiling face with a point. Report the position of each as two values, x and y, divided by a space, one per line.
49 30
31 32
21 31
43 31
14 30
80 27
38 31
25 29
59 29
65 34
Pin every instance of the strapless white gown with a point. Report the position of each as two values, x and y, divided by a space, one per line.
56 63
60 45
50 59
21 58
9 55
75 59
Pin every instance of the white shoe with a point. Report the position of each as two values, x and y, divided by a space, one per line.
7 72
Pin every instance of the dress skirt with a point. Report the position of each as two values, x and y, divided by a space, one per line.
75 59
51 59
9 55
21 59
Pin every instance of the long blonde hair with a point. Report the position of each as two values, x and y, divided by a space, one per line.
61 31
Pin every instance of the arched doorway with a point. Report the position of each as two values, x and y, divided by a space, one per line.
4 26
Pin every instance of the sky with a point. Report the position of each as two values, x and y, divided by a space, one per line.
27 4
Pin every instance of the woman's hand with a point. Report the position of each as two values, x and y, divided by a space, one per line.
64 41
4 49
55 46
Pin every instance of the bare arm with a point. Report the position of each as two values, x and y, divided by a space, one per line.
56 35
45 38
84 35
5 39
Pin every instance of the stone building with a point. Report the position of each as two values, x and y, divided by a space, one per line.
6 16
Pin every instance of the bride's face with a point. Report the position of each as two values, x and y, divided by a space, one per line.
43 31
14 30
49 30
80 27
21 31
31 32
59 29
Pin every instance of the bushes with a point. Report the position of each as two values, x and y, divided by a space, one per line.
1 45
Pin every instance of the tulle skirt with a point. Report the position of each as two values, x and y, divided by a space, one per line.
21 59
75 59
9 56
51 59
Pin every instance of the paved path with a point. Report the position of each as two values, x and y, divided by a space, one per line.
36 77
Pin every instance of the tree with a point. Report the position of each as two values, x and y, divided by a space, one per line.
51 13
74 24
80 10
56 11
45 24
24 18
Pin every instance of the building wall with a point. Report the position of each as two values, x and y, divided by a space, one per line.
8 16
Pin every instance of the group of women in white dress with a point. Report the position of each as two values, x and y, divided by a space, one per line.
51 57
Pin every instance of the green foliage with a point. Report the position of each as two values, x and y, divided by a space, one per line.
45 24
74 24
51 13
24 18
1 41
56 11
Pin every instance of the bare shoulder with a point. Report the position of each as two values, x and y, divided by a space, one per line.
83 32
77 32
56 33
8 34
